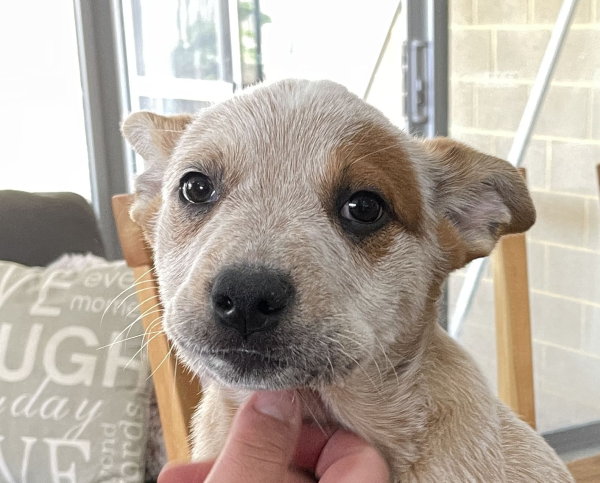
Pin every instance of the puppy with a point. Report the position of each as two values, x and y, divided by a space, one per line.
301 241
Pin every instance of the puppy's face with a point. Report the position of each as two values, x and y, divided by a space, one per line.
299 235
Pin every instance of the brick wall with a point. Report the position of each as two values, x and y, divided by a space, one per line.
496 49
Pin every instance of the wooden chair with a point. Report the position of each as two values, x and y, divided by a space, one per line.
513 325
177 391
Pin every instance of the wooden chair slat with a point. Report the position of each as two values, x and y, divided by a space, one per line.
513 326
177 391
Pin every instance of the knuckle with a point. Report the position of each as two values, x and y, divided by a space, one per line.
270 452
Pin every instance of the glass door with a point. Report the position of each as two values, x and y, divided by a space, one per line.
496 51
186 54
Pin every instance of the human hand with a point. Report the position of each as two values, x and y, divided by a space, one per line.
268 444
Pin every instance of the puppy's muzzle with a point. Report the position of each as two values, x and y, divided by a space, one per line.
251 299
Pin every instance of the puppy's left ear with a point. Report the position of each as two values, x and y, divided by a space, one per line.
478 198
153 137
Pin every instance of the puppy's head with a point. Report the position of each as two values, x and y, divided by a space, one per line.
298 234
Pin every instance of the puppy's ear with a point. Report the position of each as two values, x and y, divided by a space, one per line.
478 198
153 137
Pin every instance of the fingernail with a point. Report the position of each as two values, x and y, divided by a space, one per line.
276 404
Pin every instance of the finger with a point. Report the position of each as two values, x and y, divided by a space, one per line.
349 459
262 440
310 445
296 476
185 473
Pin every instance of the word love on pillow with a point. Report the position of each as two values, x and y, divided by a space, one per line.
74 384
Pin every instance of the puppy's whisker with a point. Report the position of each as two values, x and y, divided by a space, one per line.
218 391
374 360
144 354
384 352
167 355
307 406
330 362
379 371
174 378
134 284
140 304
142 348
154 324
120 341
132 295
358 364
147 312
128 328
153 329
118 337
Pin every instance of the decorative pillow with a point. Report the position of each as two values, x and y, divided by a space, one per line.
74 380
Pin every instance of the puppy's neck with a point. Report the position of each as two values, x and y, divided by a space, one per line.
388 402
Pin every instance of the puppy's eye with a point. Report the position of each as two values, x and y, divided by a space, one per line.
363 207
196 188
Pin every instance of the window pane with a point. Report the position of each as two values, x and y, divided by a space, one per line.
337 40
251 22
184 39
171 106
42 127
178 55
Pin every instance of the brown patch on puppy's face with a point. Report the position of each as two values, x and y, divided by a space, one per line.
376 157
313 239
374 161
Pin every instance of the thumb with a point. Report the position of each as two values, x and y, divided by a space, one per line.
262 440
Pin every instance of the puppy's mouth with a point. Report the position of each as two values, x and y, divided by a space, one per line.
250 359
254 369
249 369
243 367
293 355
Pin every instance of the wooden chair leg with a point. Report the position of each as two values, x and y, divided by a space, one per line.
177 391
513 326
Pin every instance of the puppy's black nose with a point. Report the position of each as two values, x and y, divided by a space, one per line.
251 299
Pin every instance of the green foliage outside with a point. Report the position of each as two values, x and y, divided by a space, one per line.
198 58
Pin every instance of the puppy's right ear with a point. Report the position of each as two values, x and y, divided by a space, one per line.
478 197
153 137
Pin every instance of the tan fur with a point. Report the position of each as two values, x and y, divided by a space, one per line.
374 158
361 345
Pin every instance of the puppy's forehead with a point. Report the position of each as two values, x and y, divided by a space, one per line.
288 118
311 133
